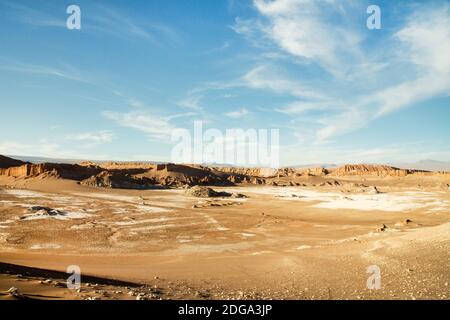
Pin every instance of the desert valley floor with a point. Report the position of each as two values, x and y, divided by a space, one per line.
308 241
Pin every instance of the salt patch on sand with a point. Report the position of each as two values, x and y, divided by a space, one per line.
257 253
110 196
4 224
214 222
64 216
45 246
304 247
212 248
144 208
6 202
129 199
18 193
120 210
367 203
184 240
24 193
247 235
134 222
16 204
394 202
158 227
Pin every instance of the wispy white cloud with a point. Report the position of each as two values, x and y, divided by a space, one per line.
13 148
238 113
31 16
191 101
93 138
361 86
225 45
266 77
424 44
112 22
157 128
102 20
309 30
46 148
301 107
181 115
66 71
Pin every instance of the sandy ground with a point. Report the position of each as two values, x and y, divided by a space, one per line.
279 243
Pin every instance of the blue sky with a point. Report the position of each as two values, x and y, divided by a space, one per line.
116 89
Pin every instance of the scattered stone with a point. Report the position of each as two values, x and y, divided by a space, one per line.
238 195
38 211
15 239
13 291
46 211
373 190
140 296
403 223
205 192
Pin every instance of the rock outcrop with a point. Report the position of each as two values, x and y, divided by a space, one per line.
107 179
153 175
205 192
6 162
65 171
373 170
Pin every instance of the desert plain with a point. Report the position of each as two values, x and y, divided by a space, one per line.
164 231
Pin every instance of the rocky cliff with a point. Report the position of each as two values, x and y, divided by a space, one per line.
6 162
148 175
374 170
65 171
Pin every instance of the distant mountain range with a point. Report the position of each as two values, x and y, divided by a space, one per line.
43 159
37 160
428 164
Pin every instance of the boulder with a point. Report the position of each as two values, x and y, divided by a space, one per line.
205 192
